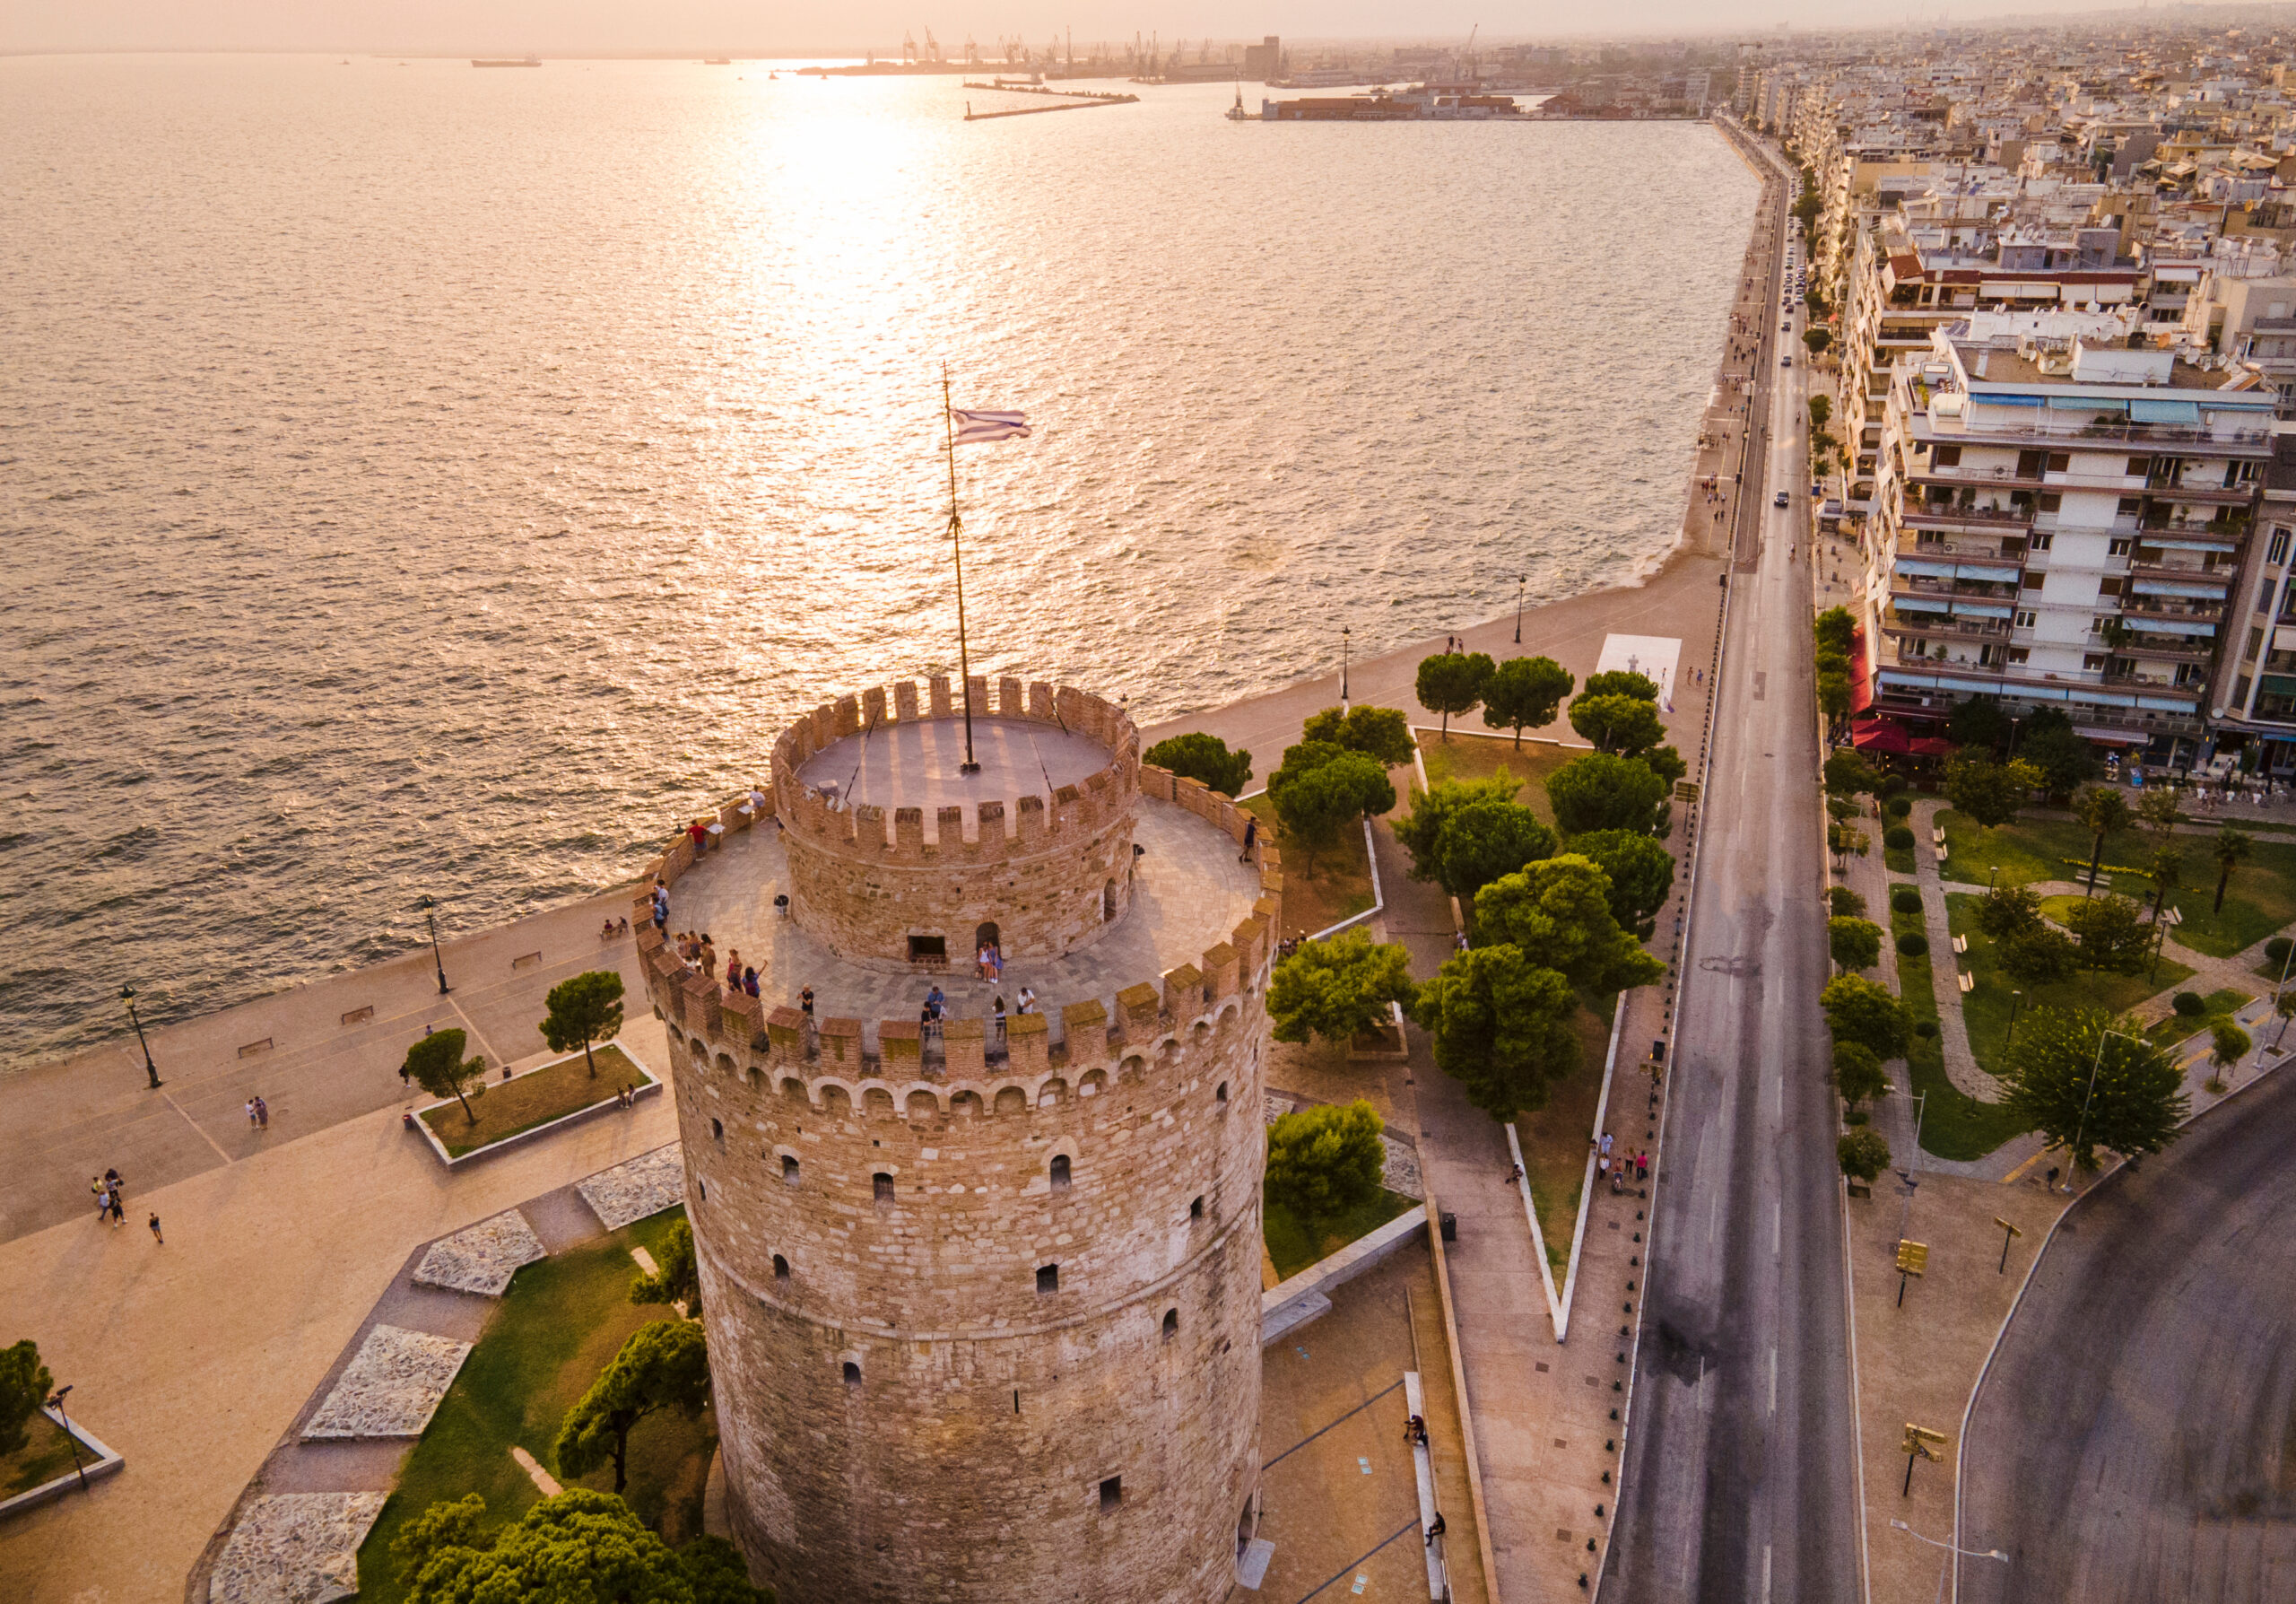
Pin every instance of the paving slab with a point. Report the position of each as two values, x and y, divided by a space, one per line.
392 1388
634 1190
484 1258
295 1548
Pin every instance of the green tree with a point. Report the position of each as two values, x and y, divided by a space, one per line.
1857 1074
2040 957
1848 774
2103 812
1557 915
1501 1027
1665 762
1599 791
1204 758
1820 410
1315 806
1622 682
2167 869
1641 872
1339 987
1978 723
1844 903
1524 693
584 1010
2157 811
2111 932
677 1280
2228 1044
1452 683
1845 841
436 1065
1858 1010
1326 1160
1625 725
1985 791
578 1546
24 1385
1485 839
2232 848
2060 758
1421 831
1817 339
2008 911
1836 628
665 1366
1383 732
1856 943
2083 1088
1833 694
1862 1154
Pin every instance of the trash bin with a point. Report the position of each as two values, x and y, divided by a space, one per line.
1450 1223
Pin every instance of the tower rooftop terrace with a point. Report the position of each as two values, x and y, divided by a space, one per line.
915 762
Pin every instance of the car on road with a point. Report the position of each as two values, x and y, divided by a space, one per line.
1780 501
1784 362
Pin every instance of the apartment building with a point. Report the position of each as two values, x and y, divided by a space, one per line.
2063 518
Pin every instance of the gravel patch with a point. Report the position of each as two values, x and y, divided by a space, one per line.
482 1257
646 1185
295 1548
391 1388
1400 1173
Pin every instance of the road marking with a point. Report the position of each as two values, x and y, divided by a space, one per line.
1765 1574
169 1100
2017 1174
1713 1214
1773 1378
1777 1227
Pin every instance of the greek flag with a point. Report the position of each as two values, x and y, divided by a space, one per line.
975 428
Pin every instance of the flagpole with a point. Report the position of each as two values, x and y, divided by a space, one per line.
957 548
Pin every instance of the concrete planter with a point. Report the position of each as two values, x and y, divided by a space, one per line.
651 1087
102 1461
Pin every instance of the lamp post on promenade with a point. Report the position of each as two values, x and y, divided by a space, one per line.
1518 608
55 1402
151 1070
2081 1126
430 917
1343 666
2015 998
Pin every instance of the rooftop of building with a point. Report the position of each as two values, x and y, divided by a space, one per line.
918 763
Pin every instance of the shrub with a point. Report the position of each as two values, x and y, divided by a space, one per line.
1845 903
1897 838
1857 1074
1863 1155
2010 911
2040 957
2189 1005
1905 898
1913 944
1202 757
1325 1160
1855 1117
1925 1028
1898 808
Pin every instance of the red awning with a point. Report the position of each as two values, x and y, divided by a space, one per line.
1884 737
1932 747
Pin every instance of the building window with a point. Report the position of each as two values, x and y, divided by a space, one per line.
717 1130
1047 1278
882 1185
780 1268
852 1373
2018 654
2060 462
2034 582
2051 500
1060 1171
2110 585
2276 552
788 1171
1111 1494
2128 507
2139 466
1221 1096
2117 548
1195 1209
1947 457
2042 540
1172 1324
2024 620
2093 661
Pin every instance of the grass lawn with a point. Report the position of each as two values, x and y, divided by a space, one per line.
562 1320
44 1457
1295 1243
1340 886
1554 1140
1480 757
1986 1007
1953 1124
2215 1006
2260 901
511 1106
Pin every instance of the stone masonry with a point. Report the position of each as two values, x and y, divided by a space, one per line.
984 1302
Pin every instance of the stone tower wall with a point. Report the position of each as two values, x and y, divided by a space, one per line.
1050 878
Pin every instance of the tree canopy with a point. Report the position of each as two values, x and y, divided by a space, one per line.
665 1366
24 1385
2008 910
1641 872
1855 942
1857 1073
1622 682
1987 792
1862 1154
1421 829
1484 840
1452 683
1339 987
1381 732
583 1010
1204 758
1320 789
578 1546
677 1281
436 1065
1979 722
1501 1027
1858 1010
1524 693
1846 774
2038 956
2111 932
1625 725
1599 791
1836 628
2231 848
1325 1160
2138 1097
2102 811
2060 759
1557 913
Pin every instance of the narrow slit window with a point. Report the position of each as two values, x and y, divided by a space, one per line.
718 1130
1060 1171
1111 1494
1221 1094
1047 1278
788 1171
1195 1209
780 1268
883 1185
1172 1324
852 1373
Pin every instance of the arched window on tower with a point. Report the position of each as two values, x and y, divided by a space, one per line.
1060 1171
788 1170
882 1185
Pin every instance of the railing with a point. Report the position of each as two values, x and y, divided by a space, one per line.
2258 440
1945 512
1935 623
1921 585
2180 572
2195 610
1992 551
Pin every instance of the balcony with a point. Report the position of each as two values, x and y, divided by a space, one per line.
1926 427
1944 515
2140 568
2135 609
2164 649
1943 625
2007 550
2159 487
1996 478
2000 595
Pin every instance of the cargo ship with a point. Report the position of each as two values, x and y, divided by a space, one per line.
523 61
1423 103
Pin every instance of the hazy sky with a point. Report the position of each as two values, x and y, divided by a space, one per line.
641 26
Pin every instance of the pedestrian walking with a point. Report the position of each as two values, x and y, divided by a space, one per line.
1251 838
1606 1144
102 1194
733 971
1513 1173
250 1113
1642 1167
118 1212
262 1114
155 1232
806 1002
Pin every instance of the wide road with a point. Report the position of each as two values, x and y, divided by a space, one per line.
2136 1436
1740 1477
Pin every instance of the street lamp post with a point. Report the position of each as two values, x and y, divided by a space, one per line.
151 1070
2015 998
55 1402
2081 1126
431 918
1518 608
